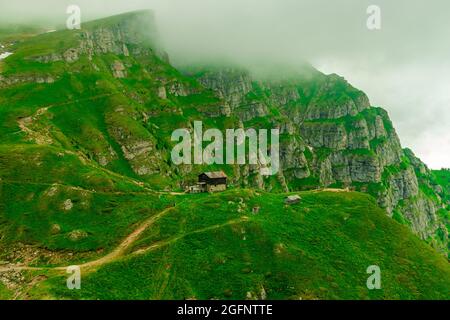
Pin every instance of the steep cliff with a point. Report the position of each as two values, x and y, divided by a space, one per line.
108 95
334 137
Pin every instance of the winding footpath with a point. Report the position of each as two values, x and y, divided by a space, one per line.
121 249
118 252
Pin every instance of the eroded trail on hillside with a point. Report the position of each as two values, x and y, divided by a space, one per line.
127 242
120 250
174 239
43 138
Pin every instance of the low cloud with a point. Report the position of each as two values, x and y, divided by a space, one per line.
402 67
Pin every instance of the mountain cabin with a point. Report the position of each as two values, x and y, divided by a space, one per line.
213 181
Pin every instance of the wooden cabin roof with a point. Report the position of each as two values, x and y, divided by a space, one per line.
215 174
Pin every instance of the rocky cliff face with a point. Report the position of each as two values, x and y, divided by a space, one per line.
330 134
127 36
333 137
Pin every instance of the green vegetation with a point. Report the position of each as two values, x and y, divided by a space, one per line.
443 179
5 294
215 247
33 210
85 165
306 183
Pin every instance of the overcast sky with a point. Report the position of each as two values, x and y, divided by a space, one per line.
404 67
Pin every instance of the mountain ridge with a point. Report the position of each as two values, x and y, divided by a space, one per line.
333 137
89 143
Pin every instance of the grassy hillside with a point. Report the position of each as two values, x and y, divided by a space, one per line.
219 246
86 178
443 178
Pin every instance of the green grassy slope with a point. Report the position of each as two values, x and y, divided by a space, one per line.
216 247
61 203
443 178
